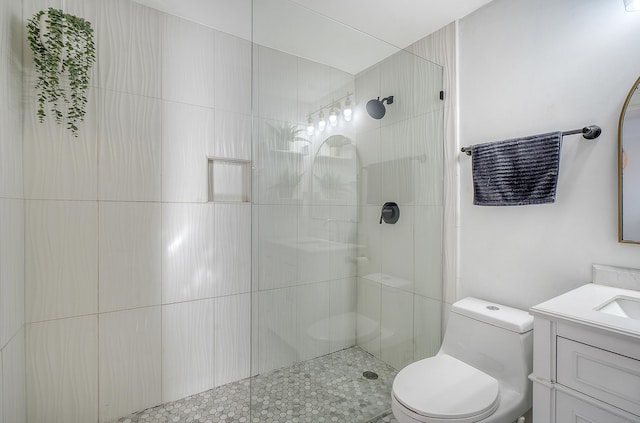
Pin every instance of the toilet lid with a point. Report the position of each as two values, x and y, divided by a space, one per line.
445 387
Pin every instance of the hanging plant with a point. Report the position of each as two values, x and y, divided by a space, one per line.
63 52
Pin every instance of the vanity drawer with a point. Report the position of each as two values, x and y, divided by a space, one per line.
573 410
613 378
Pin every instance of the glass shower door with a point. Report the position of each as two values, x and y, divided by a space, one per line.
327 339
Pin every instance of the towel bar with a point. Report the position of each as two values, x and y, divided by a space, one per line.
588 132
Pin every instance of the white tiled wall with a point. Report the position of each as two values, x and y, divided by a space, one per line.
11 268
62 370
231 272
129 255
232 338
129 48
187 251
129 153
137 289
130 361
12 375
61 258
58 166
188 130
188 71
187 348
12 208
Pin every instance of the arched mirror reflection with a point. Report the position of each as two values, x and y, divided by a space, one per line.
629 168
335 169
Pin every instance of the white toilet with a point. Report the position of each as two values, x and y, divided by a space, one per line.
479 374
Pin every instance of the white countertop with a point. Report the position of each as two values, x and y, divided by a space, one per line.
580 305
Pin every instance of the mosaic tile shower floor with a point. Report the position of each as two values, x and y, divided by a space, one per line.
326 389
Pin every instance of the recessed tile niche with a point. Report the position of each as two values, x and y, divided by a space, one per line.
229 180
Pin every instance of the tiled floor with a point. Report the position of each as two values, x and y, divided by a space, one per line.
327 389
387 418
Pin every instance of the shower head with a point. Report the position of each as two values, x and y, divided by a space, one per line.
376 108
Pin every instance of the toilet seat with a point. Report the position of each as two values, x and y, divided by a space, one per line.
443 388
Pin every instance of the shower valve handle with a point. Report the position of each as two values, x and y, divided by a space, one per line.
386 214
390 213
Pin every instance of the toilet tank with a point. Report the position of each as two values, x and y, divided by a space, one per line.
493 338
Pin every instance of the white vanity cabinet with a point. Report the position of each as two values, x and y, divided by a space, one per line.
586 367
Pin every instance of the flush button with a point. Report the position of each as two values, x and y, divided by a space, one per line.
493 308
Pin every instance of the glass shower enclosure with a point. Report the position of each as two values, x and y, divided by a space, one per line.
340 299
210 247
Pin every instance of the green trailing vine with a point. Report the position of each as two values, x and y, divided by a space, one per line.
63 53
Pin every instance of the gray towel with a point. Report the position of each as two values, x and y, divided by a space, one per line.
516 172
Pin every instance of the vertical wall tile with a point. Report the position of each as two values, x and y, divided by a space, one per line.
62 370
130 147
13 373
188 71
256 326
314 254
429 150
187 252
61 258
440 48
276 328
326 243
369 259
129 48
368 316
58 165
11 174
343 303
345 220
427 86
187 132
277 253
275 88
313 308
232 338
232 249
398 261
130 363
232 73
279 176
397 148
427 326
11 141
232 135
396 318
428 252
130 255
367 88
11 268
1 388
187 349
397 79
371 169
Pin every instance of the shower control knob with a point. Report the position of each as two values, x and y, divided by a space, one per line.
390 213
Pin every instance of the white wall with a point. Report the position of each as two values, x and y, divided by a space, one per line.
529 67
12 366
